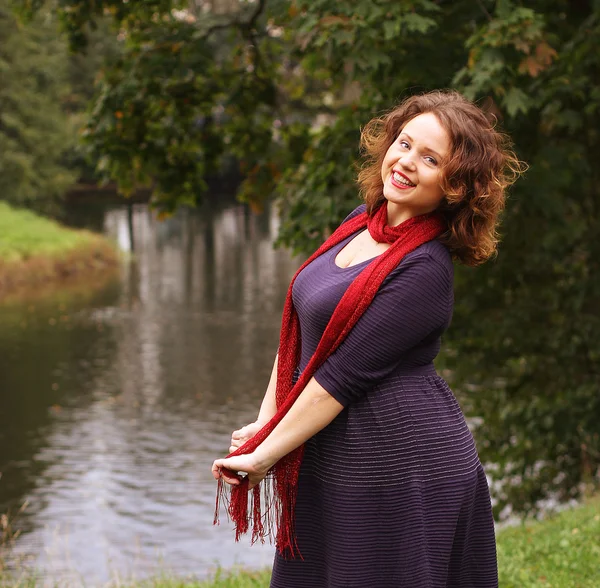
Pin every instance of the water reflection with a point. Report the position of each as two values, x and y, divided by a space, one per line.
114 403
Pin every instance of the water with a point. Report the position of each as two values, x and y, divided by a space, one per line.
116 397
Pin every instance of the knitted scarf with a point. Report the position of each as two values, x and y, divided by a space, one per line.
279 501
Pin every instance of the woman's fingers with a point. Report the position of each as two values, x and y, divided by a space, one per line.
219 470
235 443
247 431
243 432
229 479
239 437
241 463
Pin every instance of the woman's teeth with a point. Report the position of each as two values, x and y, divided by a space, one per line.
401 180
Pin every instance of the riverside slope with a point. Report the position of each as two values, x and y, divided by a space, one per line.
35 250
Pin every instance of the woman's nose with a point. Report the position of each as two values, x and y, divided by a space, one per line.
406 161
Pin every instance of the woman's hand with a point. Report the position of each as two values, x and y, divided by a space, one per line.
242 463
239 437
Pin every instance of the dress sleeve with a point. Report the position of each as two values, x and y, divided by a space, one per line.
413 306
358 210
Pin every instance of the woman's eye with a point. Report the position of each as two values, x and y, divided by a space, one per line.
431 160
404 145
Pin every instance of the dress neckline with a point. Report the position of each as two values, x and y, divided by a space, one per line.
335 250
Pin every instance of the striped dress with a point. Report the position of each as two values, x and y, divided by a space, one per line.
392 492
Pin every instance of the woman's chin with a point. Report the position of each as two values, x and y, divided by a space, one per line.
394 198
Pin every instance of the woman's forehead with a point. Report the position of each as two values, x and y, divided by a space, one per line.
427 131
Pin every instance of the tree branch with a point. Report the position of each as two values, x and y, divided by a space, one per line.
484 9
244 25
259 10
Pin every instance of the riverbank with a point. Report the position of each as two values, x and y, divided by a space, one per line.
562 551
35 251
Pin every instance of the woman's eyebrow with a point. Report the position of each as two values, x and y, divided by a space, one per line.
426 148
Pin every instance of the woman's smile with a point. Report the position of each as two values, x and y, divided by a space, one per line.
400 181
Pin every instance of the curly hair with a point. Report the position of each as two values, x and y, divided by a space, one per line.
475 175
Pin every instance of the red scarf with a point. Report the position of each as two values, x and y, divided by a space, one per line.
403 238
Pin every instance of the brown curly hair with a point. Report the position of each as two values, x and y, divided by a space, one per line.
475 175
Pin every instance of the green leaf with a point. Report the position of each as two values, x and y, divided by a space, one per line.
516 101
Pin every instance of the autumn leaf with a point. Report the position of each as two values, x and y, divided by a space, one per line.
534 64
332 20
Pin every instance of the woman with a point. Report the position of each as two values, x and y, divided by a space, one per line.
376 474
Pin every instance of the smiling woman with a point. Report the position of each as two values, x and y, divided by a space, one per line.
376 476
411 171
457 153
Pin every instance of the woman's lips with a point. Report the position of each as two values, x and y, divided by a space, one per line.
399 185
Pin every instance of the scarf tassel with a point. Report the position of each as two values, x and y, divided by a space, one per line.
245 508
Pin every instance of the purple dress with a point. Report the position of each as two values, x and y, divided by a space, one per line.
392 492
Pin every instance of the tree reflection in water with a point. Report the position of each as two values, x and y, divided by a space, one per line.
115 401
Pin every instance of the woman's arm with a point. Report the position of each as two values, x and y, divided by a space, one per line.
269 405
267 409
314 409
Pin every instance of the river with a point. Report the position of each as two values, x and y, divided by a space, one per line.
116 398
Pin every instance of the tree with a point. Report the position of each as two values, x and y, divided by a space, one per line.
34 130
285 86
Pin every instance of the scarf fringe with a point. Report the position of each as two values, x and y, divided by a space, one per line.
221 497
268 510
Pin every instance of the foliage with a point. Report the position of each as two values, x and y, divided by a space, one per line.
149 110
34 130
83 68
527 334
284 86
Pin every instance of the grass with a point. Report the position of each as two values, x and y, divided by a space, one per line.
237 579
24 234
561 552
35 250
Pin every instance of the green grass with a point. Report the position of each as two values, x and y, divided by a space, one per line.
36 251
24 234
561 552
239 579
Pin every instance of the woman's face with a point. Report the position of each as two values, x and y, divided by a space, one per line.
411 170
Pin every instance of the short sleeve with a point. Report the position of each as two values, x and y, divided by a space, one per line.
413 307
